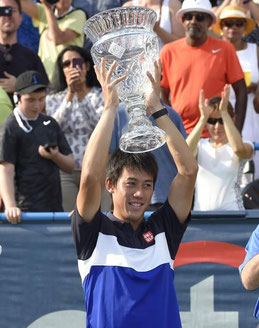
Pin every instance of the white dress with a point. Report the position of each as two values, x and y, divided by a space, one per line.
249 62
218 180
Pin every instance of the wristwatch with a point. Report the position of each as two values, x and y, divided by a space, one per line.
160 113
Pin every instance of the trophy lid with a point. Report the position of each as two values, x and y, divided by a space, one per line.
116 19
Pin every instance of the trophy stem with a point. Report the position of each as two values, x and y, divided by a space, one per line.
141 136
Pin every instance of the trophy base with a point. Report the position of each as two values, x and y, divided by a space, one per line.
142 141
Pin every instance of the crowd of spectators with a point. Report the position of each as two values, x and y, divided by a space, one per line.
203 46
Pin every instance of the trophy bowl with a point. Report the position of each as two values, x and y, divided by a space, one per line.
125 35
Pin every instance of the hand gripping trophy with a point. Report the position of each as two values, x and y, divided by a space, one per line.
125 34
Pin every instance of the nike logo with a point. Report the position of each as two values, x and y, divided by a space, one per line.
46 122
214 51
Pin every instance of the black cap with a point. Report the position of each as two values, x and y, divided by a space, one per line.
29 82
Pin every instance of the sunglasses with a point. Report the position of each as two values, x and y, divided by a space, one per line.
231 23
213 121
199 17
75 61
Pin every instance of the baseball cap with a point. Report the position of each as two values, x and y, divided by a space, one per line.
29 82
201 6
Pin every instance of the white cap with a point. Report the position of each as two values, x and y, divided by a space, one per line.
201 6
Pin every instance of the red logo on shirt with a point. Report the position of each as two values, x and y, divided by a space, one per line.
148 236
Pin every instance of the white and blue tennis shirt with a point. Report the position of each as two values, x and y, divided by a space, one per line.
127 274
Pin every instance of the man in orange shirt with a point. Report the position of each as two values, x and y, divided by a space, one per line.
197 62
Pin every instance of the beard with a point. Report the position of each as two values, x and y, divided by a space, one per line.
193 32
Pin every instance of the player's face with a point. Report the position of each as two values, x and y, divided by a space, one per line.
131 195
32 104
10 24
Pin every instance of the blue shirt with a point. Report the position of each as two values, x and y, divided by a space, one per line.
127 274
252 249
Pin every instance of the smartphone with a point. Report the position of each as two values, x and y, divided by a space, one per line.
49 145
6 11
77 62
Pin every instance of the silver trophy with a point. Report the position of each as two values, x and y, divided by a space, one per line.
125 34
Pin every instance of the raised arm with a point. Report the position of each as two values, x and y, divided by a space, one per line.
256 100
12 211
241 149
29 7
96 153
181 192
205 111
55 34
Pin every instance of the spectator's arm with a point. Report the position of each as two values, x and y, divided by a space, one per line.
66 163
181 191
55 34
256 100
195 135
241 102
29 7
8 83
250 273
7 173
217 9
254 8
241 149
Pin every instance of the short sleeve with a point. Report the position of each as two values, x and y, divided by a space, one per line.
85 234
41 21
8 143
75 21
168 222
252 247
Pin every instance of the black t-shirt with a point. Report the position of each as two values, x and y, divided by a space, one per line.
16 59
37 179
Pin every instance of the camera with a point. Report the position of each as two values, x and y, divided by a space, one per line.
52 2
49 145
6 11
77 62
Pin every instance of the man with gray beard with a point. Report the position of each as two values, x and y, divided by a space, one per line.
197 62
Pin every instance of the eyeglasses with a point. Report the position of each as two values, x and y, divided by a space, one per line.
231 23
213 121
199 17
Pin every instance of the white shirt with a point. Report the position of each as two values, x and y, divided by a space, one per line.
218 181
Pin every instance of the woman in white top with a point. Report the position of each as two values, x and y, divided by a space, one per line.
232 25
221 158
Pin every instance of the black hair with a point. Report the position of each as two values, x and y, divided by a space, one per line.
136 161
18 2
214 103
59 80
